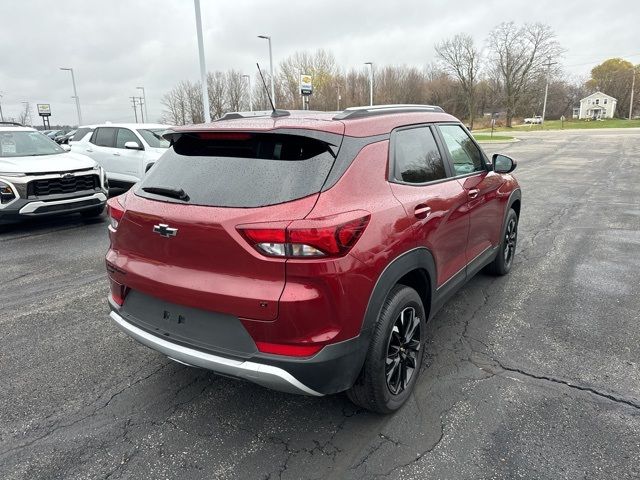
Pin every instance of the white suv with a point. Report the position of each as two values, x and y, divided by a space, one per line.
125 150
38 177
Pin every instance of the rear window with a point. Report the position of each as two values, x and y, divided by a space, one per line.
240 169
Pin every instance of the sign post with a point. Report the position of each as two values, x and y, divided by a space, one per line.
306 90
44 110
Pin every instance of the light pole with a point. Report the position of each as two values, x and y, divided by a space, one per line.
273 92
249 91
75 94
370 82
203 68
1 116
144 97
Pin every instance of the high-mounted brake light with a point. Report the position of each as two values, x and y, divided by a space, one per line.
322 237
223 135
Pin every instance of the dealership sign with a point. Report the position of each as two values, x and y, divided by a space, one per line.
44 109
306 88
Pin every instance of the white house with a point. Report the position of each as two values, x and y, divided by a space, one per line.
597 105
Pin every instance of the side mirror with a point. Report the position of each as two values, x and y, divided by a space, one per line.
65 147
132 146
503 164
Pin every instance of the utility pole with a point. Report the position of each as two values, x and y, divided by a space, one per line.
144 95
1 116
338 97
203 68
370 82
135 107
633 86
546 89
141 103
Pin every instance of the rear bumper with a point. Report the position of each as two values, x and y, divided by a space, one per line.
332 370
266 375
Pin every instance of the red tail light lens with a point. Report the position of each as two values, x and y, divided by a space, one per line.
115 208
118 292
288 350
322 237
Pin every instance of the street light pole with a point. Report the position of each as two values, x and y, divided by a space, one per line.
370 82
1 116
75 93
203 68
273 92
250 94
144 96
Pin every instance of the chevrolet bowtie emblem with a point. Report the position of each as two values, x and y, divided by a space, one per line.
165 230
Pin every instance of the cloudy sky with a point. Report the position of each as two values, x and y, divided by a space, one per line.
117 45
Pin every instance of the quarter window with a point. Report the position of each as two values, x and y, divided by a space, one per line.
417 158
104 137
465 154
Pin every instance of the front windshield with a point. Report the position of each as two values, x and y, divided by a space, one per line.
153 136
25 144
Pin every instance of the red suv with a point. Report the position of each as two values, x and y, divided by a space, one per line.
305 251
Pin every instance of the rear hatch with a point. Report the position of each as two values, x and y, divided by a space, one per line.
178 239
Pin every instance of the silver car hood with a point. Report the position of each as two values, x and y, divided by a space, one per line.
60 162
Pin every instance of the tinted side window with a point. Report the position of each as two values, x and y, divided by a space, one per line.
104 136
80 134
416 156
125 135
466 156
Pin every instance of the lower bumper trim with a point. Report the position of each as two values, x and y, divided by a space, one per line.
266 375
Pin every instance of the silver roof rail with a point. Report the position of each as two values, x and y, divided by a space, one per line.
369 111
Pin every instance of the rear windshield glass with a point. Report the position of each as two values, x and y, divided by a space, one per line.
80 133
239 169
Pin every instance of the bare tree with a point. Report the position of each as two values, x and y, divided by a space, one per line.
461 58
519 56
217 83
235 91
25 115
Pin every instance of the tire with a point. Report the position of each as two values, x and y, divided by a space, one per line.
503 262
94 212
380 387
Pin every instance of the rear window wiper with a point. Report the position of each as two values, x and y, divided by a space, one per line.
170 192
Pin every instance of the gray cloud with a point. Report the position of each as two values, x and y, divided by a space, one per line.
117 45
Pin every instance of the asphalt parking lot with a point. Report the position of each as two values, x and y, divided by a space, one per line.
532 375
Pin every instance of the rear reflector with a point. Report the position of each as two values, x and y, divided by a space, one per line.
118 292
322 237
288 350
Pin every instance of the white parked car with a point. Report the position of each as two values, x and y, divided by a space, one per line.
537 120
38 177
125 150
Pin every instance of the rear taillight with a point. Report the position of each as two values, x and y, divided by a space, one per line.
118 292
116 209
321 237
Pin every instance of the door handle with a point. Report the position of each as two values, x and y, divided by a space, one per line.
422 211
88 150
473 193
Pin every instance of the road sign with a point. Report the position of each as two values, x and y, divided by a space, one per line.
306 88
44 109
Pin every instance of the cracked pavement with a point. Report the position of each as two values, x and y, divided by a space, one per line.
532 375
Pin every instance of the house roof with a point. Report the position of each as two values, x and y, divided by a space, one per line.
598 94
